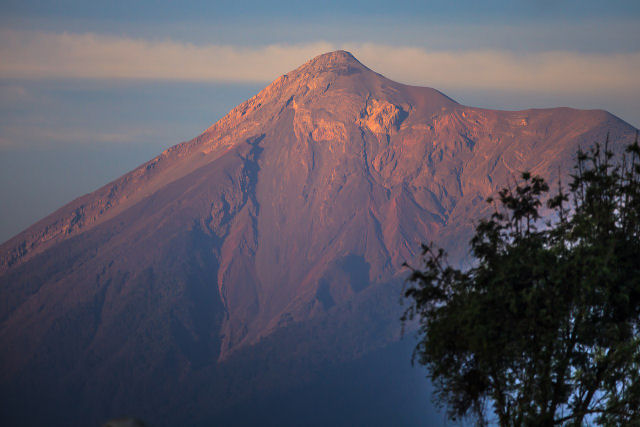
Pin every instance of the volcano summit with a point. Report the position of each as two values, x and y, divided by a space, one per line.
263 256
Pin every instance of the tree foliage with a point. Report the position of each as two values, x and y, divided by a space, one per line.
544 328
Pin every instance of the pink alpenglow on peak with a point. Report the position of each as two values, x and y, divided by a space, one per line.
268 248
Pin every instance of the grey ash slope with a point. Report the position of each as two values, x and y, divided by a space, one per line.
295 209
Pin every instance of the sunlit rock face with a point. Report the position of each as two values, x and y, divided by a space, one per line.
279 231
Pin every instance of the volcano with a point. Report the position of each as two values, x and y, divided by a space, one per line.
261 262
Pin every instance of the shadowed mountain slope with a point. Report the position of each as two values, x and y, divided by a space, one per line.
261 252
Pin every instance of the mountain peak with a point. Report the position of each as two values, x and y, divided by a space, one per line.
336 56
338 60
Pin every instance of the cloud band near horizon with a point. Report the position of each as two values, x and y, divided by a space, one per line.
40 55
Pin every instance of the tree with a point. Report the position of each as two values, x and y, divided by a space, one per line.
544 328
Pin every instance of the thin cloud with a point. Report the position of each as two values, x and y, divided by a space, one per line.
37 55
487 69
34 136
34 55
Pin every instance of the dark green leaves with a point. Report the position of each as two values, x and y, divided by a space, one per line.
544 329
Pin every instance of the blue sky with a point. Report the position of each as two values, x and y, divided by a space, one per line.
583 25
89 90
171 10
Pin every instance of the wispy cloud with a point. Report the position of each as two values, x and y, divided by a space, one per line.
34 55
487 69
30 136
37 55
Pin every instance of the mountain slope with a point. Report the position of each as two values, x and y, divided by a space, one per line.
295 209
